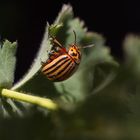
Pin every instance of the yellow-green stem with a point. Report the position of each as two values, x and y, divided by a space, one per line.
43 102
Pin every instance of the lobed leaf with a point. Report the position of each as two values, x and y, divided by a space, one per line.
7 63
41 56
80 84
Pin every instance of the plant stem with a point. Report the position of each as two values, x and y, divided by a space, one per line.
43 102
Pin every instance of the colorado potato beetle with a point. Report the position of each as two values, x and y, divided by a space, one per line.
61 63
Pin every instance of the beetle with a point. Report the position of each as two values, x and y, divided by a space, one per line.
62 63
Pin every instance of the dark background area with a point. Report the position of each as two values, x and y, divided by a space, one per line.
25 22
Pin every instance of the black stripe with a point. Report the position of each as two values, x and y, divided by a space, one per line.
55 64
64 68
59 65
67 74
71 69
79 54
60 71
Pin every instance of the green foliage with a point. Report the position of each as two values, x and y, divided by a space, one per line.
132 51
41 56
100 101
7 63
91 57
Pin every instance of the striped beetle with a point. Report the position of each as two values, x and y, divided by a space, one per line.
61 63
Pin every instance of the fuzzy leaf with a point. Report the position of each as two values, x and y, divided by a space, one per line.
64 15
100 54
34 81
41 56
7 63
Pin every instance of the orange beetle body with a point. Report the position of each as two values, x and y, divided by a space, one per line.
61 63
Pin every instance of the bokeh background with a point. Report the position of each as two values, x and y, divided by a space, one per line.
25 22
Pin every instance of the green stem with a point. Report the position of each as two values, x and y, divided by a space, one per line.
43 102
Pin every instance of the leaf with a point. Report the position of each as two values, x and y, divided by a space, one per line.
92 57
132 54
70 24
41 56
29 83
34 81
131 72
64 15
7 63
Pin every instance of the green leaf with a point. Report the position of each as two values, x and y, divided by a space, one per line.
70 24
41 56
132 54
7 63
34 81
54 29
91 58
64 15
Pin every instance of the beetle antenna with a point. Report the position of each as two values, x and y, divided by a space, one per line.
55 41
88 46
74 37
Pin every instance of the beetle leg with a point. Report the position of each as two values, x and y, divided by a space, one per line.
42 62
56 42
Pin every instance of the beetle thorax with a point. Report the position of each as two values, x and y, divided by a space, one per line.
75 53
